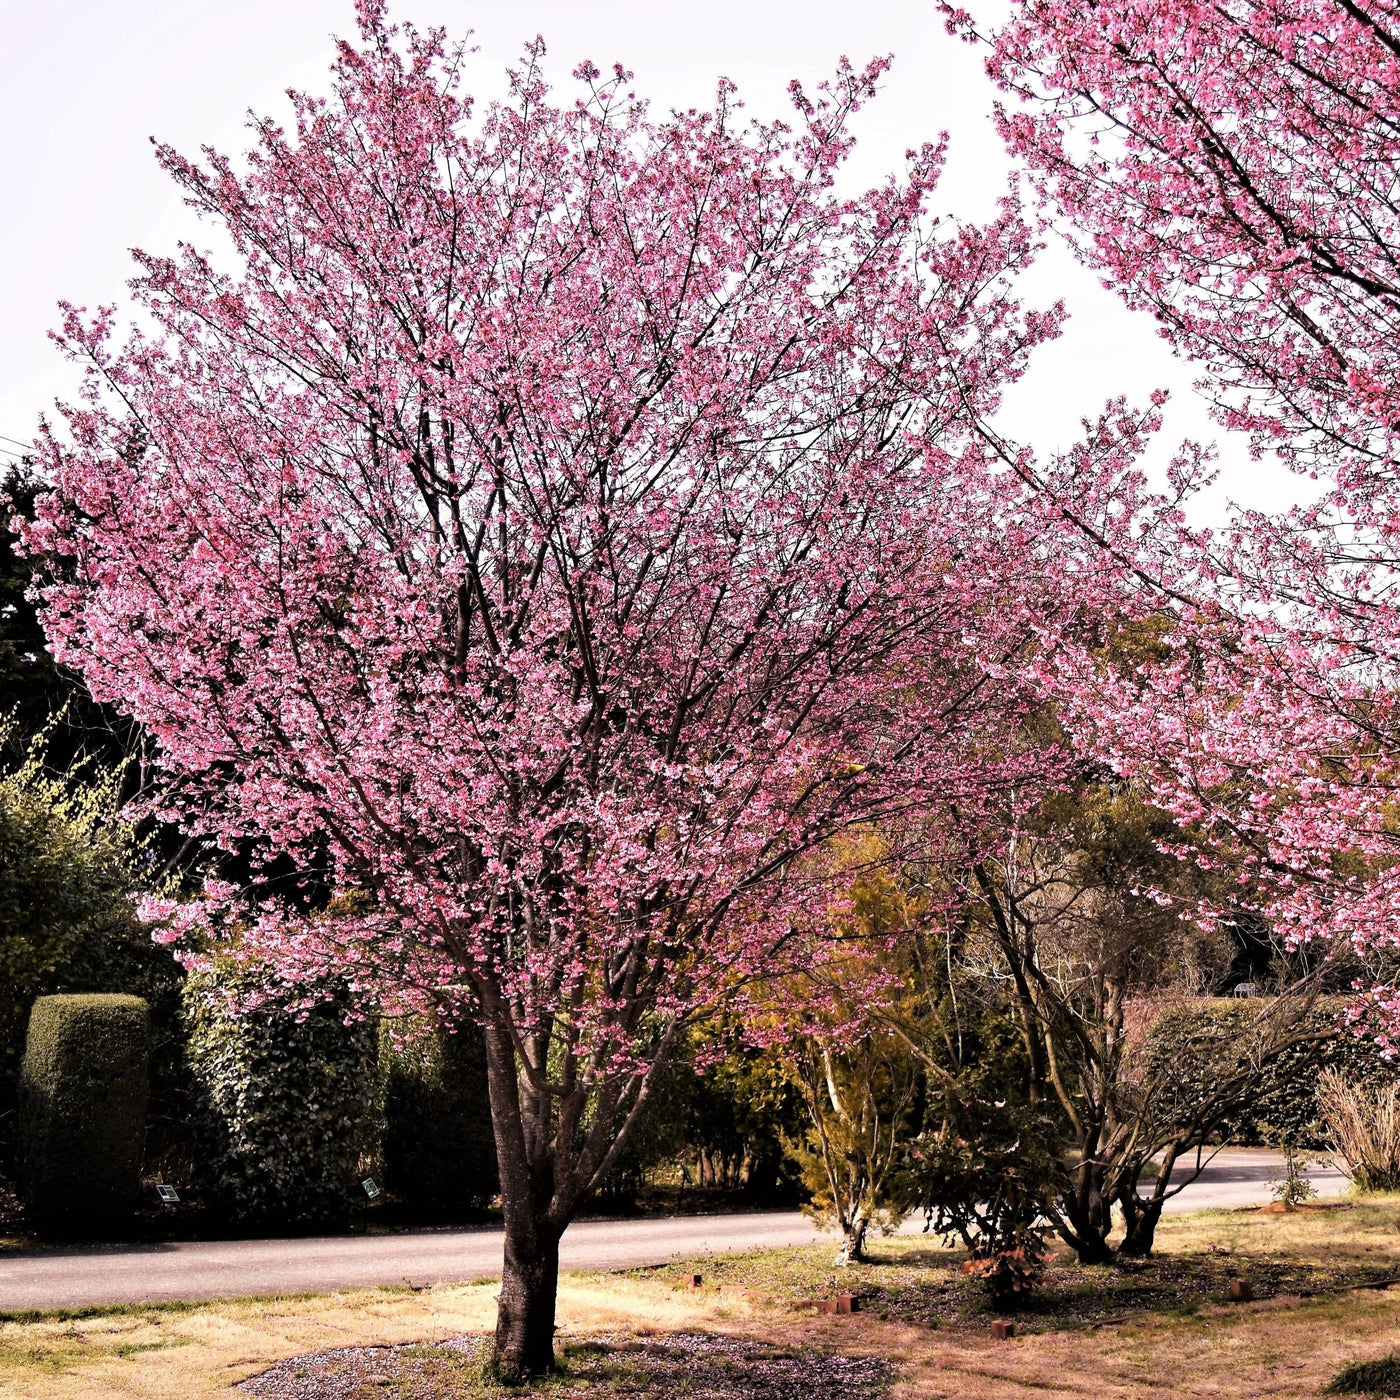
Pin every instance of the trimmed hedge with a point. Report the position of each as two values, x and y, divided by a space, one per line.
439 1155
1283 1110
83 1089
288 1104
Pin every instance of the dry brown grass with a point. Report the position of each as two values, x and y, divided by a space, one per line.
1279 1348
163 1354
170 1355
1352 1230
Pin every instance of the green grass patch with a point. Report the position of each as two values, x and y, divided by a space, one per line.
58 1354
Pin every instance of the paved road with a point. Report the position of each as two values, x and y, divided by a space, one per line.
1242 1176
218 1269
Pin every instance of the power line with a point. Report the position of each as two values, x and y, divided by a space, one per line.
28 446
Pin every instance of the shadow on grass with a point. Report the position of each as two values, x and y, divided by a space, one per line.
926 1286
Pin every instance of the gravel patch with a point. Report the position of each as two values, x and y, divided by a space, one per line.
696 1365
417 1371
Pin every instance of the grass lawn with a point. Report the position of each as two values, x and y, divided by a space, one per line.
1158 1329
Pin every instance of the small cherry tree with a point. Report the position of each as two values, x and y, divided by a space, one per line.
555 529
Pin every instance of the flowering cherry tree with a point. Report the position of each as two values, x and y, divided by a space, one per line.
555 529
1232 169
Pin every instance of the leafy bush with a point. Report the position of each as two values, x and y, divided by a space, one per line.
985 1175
67 866
439 1155
83 1109
288 1101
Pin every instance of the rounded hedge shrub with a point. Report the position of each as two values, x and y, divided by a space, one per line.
288 1103
438 1154
83 1087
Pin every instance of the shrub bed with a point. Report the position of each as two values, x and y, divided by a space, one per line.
288 1101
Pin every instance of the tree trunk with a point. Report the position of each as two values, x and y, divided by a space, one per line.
1141 1218
525 1316
853 1240
1089 1247
530 1269
1084 1220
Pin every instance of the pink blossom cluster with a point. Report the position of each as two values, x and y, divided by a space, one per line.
1233 169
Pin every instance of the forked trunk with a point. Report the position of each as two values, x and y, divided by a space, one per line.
1084 1219
1141 1218
525 1315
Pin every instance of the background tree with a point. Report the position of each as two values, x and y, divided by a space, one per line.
741 1111
552 530
861 1084
37 696
1090 917
862 1092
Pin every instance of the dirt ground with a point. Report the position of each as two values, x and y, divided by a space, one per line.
1163 1331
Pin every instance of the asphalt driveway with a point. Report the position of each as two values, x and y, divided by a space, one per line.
81 1277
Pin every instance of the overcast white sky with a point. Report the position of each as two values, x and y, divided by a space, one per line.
84 83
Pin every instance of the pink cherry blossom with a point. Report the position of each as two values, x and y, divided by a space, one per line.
1232 169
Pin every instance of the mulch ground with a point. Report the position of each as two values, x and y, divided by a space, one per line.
1072 1296
928 1287
694 1365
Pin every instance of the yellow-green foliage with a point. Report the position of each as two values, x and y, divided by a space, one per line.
67 868
83 1087
861 1086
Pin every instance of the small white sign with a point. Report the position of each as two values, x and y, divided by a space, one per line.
371 1190
169 1195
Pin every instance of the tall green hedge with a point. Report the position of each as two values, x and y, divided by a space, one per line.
83 1088
438 1154
1282 1111
288 1104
